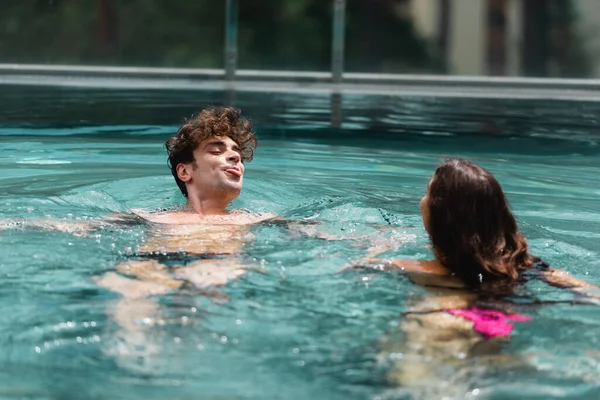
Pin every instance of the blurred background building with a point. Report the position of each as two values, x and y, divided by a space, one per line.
513 37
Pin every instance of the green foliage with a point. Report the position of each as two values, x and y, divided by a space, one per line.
273 34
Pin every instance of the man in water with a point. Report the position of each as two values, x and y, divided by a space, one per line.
198 246
201 241
206 158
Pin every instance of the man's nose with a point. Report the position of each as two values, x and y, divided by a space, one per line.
233 156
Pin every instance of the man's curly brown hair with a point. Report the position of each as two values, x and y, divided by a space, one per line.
213 121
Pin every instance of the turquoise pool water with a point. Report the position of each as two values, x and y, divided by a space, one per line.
301 330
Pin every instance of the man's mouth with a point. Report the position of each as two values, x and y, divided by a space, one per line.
234 171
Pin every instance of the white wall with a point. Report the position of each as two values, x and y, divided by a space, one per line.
467 36
467 46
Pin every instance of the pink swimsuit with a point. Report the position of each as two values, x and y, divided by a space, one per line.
490 323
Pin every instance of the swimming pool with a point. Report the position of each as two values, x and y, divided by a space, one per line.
300 330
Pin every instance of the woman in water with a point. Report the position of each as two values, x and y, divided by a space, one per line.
480 257
474 235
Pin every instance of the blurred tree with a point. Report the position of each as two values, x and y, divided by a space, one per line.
496 44
535 52
381 37
108 25
552 44
290 34
122 32
285 34
444 32
568 48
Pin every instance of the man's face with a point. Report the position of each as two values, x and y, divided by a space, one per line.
218 170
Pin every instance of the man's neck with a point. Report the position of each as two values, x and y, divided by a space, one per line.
203 204
207 207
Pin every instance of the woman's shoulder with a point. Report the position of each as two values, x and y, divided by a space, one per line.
422 272
407 265
430 267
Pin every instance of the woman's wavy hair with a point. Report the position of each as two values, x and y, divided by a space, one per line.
472 229
213 121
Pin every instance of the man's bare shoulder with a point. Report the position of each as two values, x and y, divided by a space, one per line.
243 217
186 217
173 217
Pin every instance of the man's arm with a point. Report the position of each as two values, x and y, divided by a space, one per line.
74 227
62 225
558 278
564 280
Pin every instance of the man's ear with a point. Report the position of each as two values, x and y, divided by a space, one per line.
184 172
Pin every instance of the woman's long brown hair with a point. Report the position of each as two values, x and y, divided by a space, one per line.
472 230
